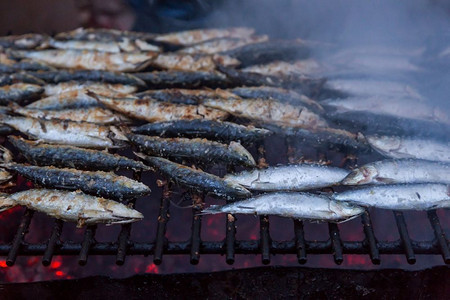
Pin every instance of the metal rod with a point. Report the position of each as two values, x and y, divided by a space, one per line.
124 235
336 243
196 229
264 239
370 238
300 244
440 235
88 241
52 242
19 237
404 236
163 218
230 238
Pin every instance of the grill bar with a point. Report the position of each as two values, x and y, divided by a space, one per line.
336 243
230 238
196 229
404 236
52 242
163 218
265 239
88 241
440 235
300 243
370 238
19 237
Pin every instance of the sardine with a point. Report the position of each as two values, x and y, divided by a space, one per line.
185 79
23 65
6 203
100 88
25 41
325 137
90 76
19 92
399 107
309 67
306 85
289 178
90 60
43 154
370 88
222 44
76 207
265 52
102 34
125 45
193 149
191 62
186 96
5 157
391 171
96 115
8 79
410 147
191 37
65 100
196 180
103 184
81 134
268 111
420 196
279 94
292 205
155 111
208 129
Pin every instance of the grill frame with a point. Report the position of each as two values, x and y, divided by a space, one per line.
229 246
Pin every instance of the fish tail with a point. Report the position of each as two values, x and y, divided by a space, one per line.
211 210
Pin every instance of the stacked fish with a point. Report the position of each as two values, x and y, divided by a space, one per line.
187 101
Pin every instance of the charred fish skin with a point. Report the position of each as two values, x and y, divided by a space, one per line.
420 196
208 129
325 138
19 92
95 115
185 96
65 100
265 52
90 60
411 147
103 184
184 79
268 111
279 94
155 111
81 134
196 180
9 79
72 157
193 149
24 65
76 207
289 178
393 171
303 206
191 62
89 75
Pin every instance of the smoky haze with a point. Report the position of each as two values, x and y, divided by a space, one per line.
403 42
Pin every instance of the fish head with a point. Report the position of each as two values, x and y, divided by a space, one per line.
6 156
345 210
235 146
241 191
362 175
385 144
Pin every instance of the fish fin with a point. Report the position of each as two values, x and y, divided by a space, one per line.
346 220
211 210
385 180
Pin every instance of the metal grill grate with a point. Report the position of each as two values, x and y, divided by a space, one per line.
230 246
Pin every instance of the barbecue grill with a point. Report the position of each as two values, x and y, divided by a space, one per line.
195 246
